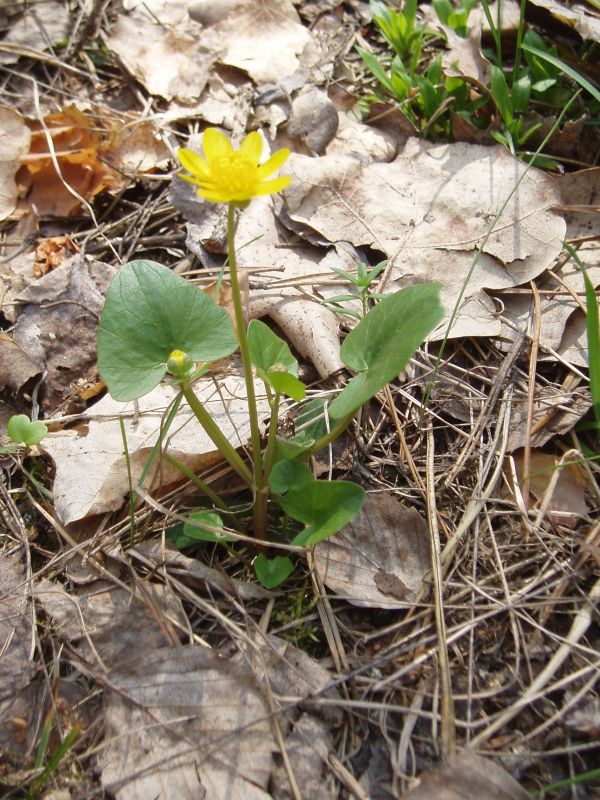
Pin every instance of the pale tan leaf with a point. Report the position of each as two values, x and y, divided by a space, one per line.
184 724
16 667
378 560
106 623
91 474
408 210
467 777
169 61
307 744
40 27
15 137
263 37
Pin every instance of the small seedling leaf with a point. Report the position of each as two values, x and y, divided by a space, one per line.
192 533
272 572
382 343
22 431
324 507
150 312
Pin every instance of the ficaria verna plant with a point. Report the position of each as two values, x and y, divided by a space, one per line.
157 326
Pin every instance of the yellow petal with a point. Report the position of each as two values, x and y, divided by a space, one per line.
251 147
193 162
215 144
270 187
276 160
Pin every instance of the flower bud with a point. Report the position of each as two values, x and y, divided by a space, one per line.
180 365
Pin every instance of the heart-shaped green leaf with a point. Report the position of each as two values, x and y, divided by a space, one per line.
272 572
323 506
22 431
150 312
381 345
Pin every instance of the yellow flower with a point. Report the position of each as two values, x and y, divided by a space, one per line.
226 175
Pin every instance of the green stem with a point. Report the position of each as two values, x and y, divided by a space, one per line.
198 482
259 512
220 441
333 434
272 437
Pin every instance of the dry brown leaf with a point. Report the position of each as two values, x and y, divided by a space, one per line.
15 138
51 253
362 141
575 15
557 411
467 777
408 209
91 472
58 325
263 37
106 623
170 61
79 149
16 666
18 697
567 502
138 148
194 571
40 26
313 121
308 745
184 723
16 367
378 560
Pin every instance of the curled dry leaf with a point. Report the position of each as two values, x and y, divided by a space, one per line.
79 149
91 472
380 559
579 16
15 138
184 723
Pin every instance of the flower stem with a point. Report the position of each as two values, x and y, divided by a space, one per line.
259 512
221 442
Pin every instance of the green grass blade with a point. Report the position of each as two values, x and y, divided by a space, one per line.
593 332
583 82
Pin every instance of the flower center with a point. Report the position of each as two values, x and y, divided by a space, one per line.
234 172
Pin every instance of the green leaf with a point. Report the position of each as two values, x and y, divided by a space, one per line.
192 533
272 572
22 431
267 350
500 94
287 475
382 343
521 94
324 507
274 361
287 384
149 312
